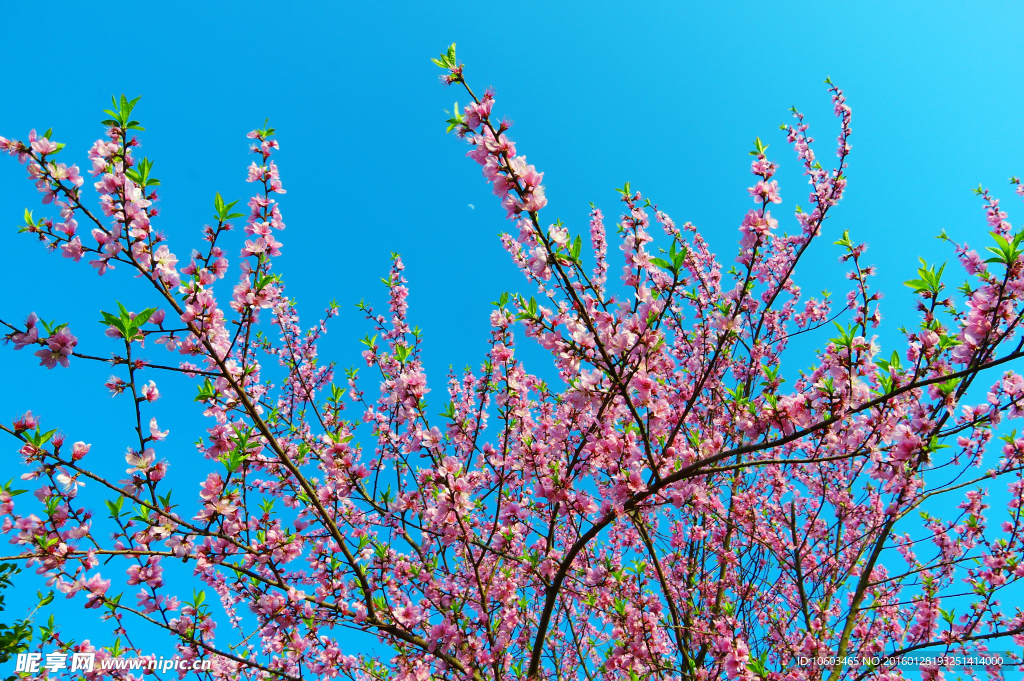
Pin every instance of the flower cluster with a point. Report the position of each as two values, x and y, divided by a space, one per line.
514 181
662 502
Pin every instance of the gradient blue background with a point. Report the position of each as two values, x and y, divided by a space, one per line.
666 95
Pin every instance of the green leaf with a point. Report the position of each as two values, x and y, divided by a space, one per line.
206 392
929 281
143 316
947 387
39 439
845 241
1006 252
456 120
447 60
662 263
678 257
402 352
115 507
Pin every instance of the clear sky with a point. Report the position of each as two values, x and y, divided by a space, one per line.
666 95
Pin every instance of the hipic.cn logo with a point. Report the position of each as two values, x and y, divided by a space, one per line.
55 662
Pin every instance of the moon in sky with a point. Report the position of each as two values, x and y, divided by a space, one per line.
472 206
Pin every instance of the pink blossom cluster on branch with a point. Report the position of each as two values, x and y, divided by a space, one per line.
667 510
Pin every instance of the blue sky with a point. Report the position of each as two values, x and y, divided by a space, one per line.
666 95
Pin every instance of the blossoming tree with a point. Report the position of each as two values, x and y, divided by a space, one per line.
666 509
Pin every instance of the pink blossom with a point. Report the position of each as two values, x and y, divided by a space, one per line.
155 432
59 346
149 391
638 478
